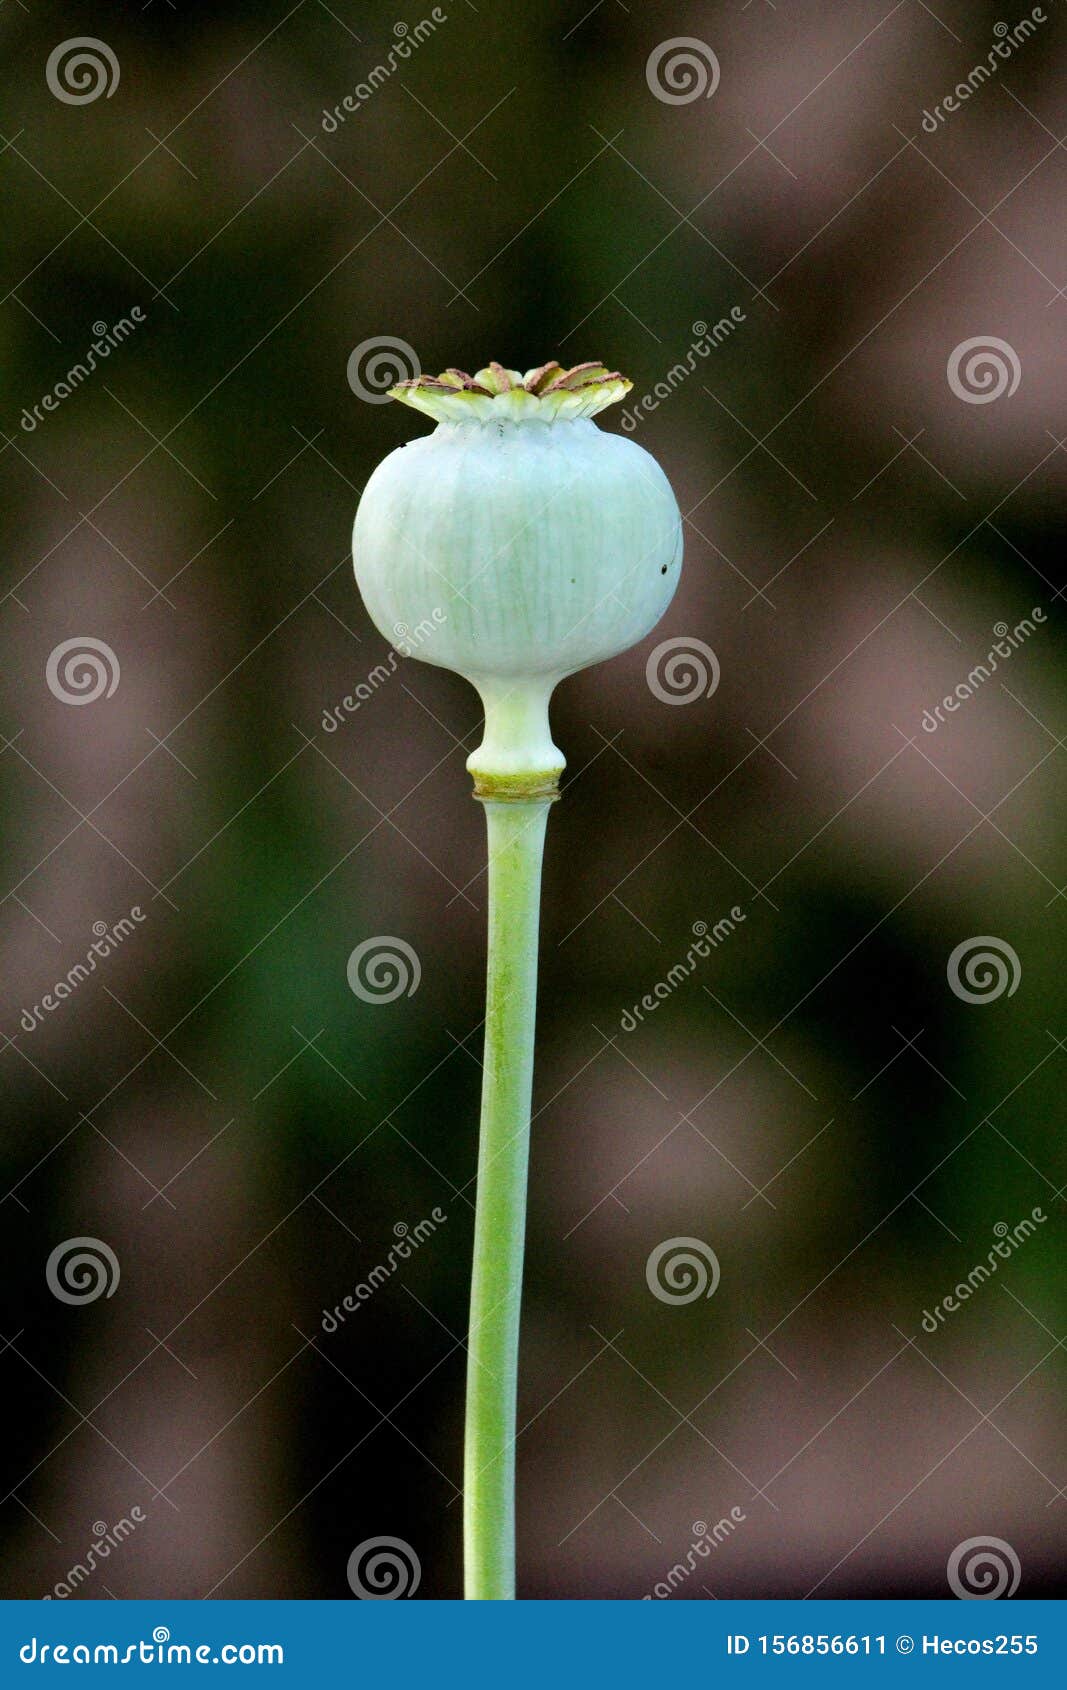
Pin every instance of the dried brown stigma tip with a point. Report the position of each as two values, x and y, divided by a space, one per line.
460 380
582 375
437 382
538 380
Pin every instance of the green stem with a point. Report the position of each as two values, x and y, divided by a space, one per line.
516 845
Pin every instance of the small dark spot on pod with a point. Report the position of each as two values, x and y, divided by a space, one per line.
663 571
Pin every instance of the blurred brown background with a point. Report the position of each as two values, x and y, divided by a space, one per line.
816 1104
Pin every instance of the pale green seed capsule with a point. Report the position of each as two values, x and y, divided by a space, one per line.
528 541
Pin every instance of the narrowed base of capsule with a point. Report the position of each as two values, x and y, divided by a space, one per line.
517 761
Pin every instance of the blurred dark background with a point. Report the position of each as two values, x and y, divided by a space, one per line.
816 1104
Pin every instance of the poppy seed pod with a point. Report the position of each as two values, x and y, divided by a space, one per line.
514 544
531 543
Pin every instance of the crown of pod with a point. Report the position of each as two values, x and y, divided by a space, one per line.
497 394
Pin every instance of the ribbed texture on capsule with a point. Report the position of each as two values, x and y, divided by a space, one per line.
547 549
